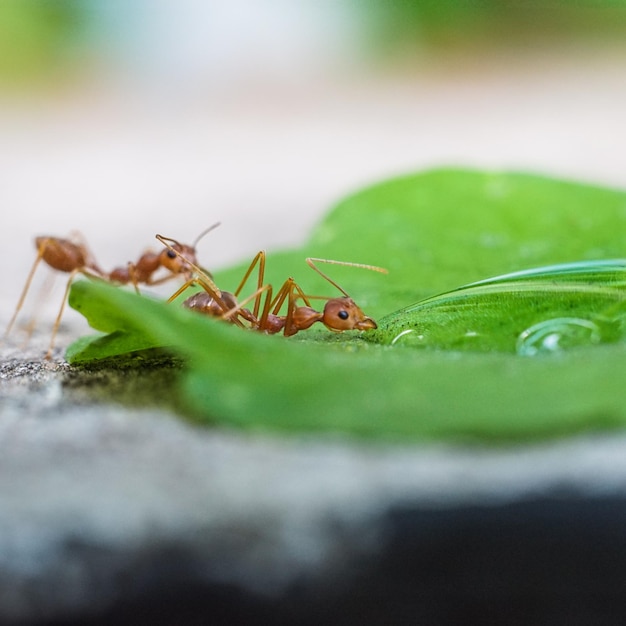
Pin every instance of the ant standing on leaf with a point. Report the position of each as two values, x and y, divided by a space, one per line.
339 314
75 258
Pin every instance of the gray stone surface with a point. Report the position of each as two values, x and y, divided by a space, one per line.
109 512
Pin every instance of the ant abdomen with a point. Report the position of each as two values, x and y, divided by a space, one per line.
61 254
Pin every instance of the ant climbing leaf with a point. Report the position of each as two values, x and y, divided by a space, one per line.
434 231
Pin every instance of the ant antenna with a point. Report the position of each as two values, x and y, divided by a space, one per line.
311 262
203 233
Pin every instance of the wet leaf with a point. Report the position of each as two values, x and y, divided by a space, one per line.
544 309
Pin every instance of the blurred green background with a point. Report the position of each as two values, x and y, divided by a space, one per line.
48 40
434 26
40 36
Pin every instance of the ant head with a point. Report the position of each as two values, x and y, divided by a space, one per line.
181 259
178 258
343 314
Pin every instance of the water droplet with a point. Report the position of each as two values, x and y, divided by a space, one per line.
556 335
402 334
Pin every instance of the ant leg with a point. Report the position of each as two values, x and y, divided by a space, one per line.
183 288
298 317
281 295
290 328
207 286
286 292
260 259
42 296
29 279
57 321
301 295
240 305
273 307
132 273
159 281
293 325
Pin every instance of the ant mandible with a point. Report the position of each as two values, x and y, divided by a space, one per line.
339 314
75 258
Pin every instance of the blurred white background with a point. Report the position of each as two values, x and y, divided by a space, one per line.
121 119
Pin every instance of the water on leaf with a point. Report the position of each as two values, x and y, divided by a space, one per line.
536 311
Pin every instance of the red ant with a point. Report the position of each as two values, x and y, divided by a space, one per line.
74 258
339 314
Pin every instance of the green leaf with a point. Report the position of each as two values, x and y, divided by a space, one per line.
434 231
543 309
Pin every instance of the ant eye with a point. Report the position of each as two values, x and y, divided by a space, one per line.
171 254
344 315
